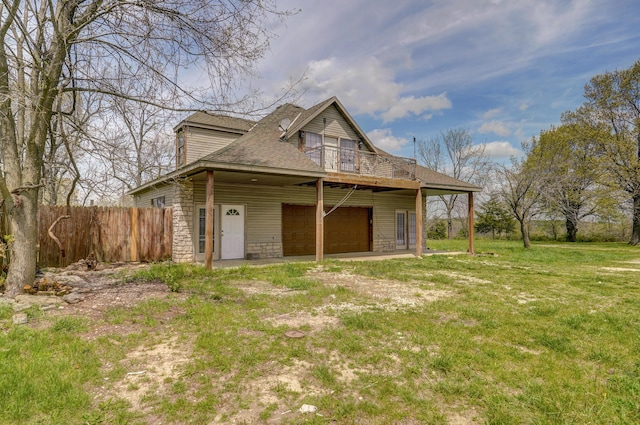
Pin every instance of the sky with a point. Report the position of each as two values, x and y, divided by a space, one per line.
502 69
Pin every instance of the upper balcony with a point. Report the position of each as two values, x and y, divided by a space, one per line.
363 163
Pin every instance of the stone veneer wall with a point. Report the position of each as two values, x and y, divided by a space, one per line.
384 245
183 222
257 250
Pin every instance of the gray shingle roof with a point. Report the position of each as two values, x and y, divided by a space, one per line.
262 146
207 120
433 179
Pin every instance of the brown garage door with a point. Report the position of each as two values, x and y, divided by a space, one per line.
346 229
298 230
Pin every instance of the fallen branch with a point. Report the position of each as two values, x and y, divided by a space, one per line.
52 236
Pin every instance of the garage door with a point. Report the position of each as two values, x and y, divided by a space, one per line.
298 230
346 229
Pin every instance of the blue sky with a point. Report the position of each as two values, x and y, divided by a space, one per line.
502 69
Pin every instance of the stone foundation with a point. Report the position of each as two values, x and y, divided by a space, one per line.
182 248
384 245
256 250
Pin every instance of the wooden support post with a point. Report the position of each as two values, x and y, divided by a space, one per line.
419 223
471 230
319 220
134 234
208 227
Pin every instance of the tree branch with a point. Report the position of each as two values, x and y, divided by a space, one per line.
20 189
54 237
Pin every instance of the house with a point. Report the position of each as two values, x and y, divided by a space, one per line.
297 182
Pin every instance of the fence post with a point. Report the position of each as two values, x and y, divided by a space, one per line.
134 234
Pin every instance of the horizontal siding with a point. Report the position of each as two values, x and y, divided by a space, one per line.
202 142
384 214
337 125
144 200
264 206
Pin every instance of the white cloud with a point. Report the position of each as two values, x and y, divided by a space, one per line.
396 59
416 106
491 113
500 150
496 127
384 139
367 87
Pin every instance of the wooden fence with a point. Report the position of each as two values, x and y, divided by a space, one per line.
111 234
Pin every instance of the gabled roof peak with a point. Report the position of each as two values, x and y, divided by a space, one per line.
311 113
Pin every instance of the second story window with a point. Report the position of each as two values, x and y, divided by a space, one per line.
313 147
180 152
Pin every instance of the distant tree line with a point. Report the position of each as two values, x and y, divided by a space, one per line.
585 170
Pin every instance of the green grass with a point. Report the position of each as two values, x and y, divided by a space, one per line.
549 335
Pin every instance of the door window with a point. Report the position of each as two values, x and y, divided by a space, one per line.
412 229
202 214
401 229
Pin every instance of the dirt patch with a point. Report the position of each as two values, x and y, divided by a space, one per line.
619 269
302 319
464 417
388 294
461 278
105 288
151 370
279 384
259 287
147 370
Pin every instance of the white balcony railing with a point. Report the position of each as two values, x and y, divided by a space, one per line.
364 163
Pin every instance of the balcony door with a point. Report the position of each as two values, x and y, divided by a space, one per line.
348 155
330 153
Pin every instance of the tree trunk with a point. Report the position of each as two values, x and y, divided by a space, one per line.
449 227
635 233
572 230
524 229
23 222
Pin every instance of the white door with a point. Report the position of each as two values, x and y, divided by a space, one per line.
232 233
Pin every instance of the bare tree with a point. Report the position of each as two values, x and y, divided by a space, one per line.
453 153
51 49
522 190
128 144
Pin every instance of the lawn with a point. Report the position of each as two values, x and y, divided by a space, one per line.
549 335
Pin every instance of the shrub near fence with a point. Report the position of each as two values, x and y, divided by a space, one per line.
111 234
